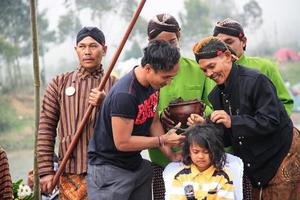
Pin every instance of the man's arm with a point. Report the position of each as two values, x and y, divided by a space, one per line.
282 90
157 130
46 136
49 118
124 140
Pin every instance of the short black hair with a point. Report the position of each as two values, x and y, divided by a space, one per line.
160 55
207 135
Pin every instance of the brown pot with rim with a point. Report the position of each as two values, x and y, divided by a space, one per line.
180 110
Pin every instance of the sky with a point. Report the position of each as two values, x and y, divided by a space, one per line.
281 23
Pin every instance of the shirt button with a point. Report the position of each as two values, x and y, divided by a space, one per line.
240 143
248 165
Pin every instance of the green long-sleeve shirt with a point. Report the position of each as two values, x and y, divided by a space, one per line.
270 69
189 83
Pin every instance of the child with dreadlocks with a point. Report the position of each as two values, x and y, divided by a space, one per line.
203 175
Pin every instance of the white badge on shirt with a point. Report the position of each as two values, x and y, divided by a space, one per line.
70 91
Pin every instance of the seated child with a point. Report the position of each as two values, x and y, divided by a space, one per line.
202 175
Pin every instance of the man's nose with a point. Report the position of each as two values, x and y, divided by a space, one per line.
209 73
87 51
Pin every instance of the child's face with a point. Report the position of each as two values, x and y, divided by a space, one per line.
200 157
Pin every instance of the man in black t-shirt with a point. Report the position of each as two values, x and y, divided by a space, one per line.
129 123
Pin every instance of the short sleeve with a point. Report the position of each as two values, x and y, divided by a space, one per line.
124 105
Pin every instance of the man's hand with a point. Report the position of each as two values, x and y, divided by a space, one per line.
171 138
96 97
195 119
46 183
165 120
221 117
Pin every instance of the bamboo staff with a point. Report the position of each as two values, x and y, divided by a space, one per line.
36 69
100 88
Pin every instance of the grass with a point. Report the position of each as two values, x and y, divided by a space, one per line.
16 115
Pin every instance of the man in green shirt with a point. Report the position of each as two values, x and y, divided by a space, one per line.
189 83
231 32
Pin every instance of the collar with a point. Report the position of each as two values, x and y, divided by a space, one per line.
230 80
83 73
241 59
207 173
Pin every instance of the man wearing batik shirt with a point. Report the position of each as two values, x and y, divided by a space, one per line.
65 102
6 192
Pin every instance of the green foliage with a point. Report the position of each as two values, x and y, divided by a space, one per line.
221 9
68 24
252 15
16 186
195 20
8 51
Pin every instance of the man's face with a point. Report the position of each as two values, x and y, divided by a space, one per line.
200 157
158 79
235 43
217 68
168 37
90 52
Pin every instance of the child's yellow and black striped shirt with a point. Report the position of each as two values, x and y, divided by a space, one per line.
209 184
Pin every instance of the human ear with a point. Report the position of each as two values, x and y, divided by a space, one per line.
104 49
244 40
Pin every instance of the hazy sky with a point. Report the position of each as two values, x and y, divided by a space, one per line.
281 22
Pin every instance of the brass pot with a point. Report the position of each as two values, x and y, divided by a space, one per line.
180 110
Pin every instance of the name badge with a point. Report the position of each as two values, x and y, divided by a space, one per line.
70 91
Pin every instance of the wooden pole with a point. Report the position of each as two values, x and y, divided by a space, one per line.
36 73
100 88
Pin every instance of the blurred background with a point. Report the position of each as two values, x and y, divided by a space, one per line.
272 29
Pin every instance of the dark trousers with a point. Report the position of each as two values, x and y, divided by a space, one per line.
110 182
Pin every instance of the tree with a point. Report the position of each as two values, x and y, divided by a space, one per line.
100 11
15 28
252 15
134 52
195 19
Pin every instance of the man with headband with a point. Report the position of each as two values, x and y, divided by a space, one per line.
189 83
66 100
231 32
254 121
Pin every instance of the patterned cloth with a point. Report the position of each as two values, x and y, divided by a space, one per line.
247 188
158 185
286 182
72 187
64 105
5 178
